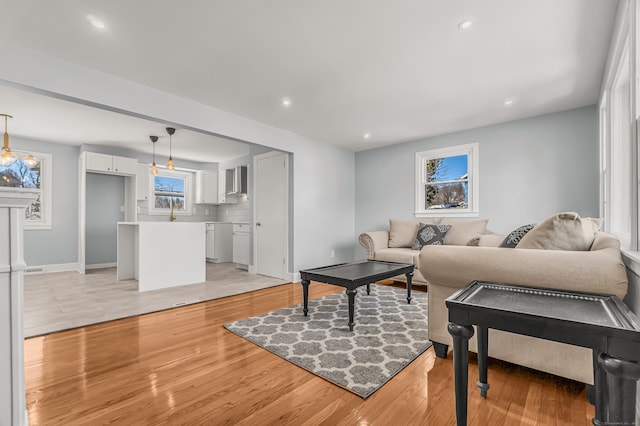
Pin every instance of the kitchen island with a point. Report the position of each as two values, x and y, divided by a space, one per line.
161 254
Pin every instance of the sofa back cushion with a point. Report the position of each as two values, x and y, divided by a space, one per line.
402 233
462 231
563 231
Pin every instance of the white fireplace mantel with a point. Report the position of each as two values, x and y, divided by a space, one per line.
12 265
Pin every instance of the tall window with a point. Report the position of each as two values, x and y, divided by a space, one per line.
18 176
447 181
171 189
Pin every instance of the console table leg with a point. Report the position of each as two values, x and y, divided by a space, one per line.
305 296
620 399
461 335
483 348
409 279
352 301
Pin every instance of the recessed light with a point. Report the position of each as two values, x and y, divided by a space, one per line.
509 102
367 136
95 22
286 102
465 25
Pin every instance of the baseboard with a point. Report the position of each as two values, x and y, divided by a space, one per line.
101 265
45 269
252 269
294 277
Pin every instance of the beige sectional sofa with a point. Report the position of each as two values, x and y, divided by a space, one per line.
447 268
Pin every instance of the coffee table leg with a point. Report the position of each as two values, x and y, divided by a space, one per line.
305 296
352 300
368 289
409 278
461 335
483 347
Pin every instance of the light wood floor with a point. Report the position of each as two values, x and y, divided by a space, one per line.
181 367
64 300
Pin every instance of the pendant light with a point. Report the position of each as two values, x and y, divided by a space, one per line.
154 168
30 161
7 157
170 164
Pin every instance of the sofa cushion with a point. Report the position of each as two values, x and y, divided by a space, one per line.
514 237
462 231
402 233
563 231
399 255
429 235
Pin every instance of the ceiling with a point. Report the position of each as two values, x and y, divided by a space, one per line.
396 70
54 120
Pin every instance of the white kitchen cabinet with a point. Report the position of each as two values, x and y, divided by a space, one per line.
111 164
241 243
219 242
142 182
207 189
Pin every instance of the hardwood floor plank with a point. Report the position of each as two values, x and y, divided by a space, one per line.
182 366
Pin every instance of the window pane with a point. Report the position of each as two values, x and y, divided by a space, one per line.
169 184
165 202
448 168
447 195
19 175
34 211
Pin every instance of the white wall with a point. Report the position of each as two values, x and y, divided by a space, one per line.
323 175
529 170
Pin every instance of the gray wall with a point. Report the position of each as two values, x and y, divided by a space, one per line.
105 196
529 170
59 244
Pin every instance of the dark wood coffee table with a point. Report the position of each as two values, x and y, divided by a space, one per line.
352 276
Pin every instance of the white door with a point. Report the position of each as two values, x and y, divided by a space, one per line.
271 218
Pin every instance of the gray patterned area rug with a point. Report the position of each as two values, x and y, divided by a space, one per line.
388 335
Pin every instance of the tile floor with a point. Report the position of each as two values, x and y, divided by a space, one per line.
63 300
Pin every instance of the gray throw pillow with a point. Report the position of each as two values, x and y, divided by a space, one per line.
512 240
429 235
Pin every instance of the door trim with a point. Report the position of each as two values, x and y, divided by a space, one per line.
286 273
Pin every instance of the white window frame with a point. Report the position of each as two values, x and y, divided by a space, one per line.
45 191
471 150
188 192
618 181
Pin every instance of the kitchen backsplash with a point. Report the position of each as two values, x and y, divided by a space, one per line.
199 214
237 212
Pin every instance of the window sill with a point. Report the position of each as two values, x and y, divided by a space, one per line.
37 227
446 213
631 260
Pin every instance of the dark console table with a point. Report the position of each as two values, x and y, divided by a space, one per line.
600 322
352 276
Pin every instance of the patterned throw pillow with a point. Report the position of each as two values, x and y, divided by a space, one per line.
429 235
512 240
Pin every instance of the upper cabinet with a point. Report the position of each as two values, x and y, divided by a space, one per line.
207 188
111 164
142 182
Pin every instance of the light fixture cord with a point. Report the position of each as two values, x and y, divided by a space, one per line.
6 135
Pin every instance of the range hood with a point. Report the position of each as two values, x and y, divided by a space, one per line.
236 180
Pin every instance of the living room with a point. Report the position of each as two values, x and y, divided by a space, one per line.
340 192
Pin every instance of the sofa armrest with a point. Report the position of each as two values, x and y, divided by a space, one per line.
597 271
373 241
